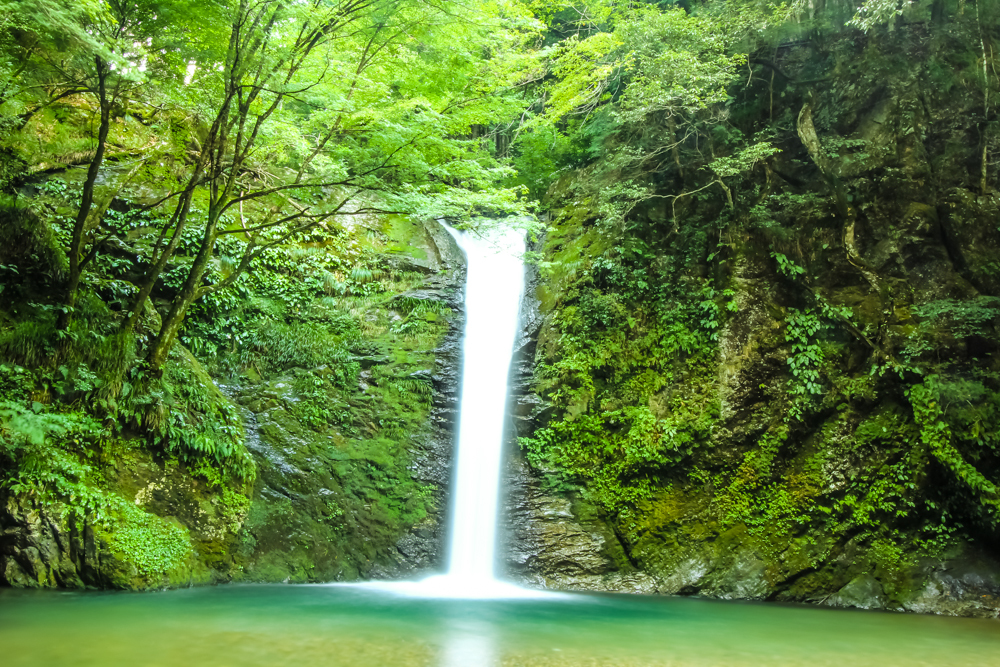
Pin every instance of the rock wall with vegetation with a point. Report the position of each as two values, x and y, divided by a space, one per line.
308 440
777 379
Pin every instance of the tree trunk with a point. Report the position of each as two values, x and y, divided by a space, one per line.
87 200
830 169
153 275
984 164
674 149
189 294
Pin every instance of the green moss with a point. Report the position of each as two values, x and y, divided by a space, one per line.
404 235
233 500
568 249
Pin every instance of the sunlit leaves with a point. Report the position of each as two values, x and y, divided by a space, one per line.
876 12
742 161
679 63
583 70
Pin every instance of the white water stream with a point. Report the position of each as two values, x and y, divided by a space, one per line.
492 303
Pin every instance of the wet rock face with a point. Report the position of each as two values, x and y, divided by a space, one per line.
422 550
37 550
342 503
526 408
547 540
967 585
862 592
547 545
42 547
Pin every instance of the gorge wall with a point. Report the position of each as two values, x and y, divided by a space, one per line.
795 398
758 361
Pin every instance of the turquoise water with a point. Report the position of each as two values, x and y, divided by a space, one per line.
347 626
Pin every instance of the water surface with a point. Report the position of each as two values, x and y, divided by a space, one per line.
347 626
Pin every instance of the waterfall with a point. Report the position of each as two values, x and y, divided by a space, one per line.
495 282
492 303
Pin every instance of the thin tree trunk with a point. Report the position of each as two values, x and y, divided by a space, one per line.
189 293
87 200
181 213
160 263
830 169
674 149
983 167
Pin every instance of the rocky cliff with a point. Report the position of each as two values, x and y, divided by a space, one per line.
786 388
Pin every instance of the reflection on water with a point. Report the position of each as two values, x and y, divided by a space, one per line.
472 646
247 626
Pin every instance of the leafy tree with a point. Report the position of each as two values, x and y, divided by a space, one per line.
649 87
98 48
292 139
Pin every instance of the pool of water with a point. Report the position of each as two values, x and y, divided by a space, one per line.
350 626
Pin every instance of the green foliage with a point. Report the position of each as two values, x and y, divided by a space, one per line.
969 317
873 13
936 435
31 341
538 157
759 499
787 267
713 309
316 406
878 428
884 493
186 415
181 410
809 333
28 249
743 161
631 383
269 346
152 544
805 359
634 94
409 107
36 447
42 452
